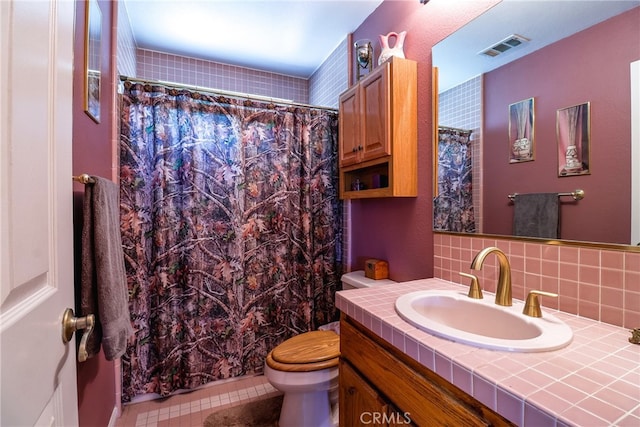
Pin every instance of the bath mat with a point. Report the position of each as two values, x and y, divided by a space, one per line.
260 413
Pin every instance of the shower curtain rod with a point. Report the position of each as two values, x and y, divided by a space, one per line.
230 94
454 129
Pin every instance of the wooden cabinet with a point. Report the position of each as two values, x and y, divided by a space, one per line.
364 127
376 378
361 404
378 133
349 127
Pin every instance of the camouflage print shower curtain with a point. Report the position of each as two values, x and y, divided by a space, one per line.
231 230
453 205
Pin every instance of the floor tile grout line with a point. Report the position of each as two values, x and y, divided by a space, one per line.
222 399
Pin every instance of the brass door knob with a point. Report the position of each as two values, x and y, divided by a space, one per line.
70 324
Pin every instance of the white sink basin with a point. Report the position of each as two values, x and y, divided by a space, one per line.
482 323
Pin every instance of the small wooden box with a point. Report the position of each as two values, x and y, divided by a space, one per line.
376 269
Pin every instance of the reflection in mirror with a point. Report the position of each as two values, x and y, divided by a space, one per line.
93 38
558 54
453 208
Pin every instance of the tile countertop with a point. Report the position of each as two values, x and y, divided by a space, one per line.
594 381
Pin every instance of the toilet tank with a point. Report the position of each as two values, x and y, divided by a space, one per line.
357 279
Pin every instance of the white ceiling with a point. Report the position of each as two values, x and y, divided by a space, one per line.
294 37
291 37
542 21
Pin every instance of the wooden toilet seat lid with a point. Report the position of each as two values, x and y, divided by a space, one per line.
309 347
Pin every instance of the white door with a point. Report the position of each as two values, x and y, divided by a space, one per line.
38 379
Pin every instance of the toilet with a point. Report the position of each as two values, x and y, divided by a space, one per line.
305 369
357 280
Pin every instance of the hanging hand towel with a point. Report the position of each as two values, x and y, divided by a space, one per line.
103 287
536 215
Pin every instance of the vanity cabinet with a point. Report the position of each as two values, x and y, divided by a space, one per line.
378 133
361 404
376 378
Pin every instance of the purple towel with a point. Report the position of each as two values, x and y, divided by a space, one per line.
103 283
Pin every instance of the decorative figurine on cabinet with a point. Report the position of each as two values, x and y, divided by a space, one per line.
396 50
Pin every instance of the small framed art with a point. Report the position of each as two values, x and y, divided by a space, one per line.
573 132
521 138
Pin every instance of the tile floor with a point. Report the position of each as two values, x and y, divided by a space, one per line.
191 409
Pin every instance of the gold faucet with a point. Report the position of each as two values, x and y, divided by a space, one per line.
532 306
474 290
503 293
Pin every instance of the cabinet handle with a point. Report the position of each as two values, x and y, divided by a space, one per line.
351 391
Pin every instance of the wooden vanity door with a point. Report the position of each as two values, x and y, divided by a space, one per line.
359 402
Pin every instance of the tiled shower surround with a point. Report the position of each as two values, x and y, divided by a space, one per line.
330 79
166 67
322 88
596 283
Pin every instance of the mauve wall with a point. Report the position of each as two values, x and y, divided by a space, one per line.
591 66
93 154
400 230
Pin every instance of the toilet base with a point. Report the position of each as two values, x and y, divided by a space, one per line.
310 398
310 409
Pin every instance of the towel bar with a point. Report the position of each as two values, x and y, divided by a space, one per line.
577 195
84 179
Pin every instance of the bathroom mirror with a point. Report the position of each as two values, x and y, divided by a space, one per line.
541 53
92 58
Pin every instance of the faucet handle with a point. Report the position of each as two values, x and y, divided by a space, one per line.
532 305
474 291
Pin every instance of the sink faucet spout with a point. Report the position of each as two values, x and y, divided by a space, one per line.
503 292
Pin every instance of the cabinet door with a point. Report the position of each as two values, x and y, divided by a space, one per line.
349 127
375 114
422 397
360 404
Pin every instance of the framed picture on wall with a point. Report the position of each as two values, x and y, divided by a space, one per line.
521 138
573 132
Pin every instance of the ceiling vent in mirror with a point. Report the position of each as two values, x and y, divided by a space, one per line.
502 46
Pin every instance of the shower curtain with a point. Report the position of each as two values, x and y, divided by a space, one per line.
453 205
231 227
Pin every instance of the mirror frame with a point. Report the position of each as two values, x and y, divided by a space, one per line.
575 243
